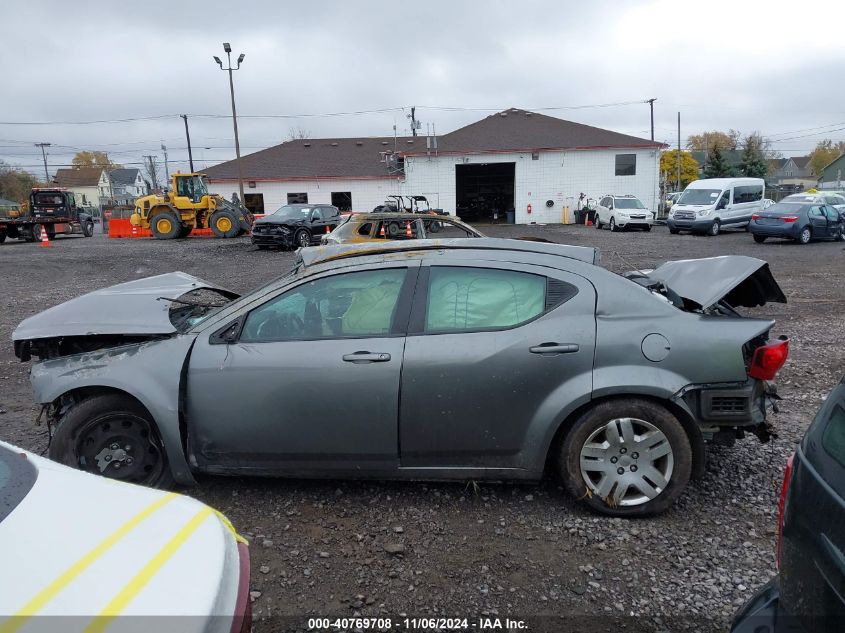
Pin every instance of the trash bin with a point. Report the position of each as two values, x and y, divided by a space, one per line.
511 216
580 216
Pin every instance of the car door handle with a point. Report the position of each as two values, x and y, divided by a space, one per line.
366 357
551 349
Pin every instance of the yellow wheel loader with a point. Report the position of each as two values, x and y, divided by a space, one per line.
188 206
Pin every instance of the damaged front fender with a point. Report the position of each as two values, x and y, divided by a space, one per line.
151 372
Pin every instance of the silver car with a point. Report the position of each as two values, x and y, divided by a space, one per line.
441 359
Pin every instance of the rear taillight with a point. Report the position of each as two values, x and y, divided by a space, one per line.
789 218
755 216
768 359
784 490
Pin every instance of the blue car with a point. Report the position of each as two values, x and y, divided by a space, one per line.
799 222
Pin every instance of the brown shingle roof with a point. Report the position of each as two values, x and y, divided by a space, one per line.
801 161
520 130
510 130
317 158
82 177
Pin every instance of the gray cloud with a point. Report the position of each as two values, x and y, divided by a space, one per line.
723 65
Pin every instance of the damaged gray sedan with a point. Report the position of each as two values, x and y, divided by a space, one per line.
449 359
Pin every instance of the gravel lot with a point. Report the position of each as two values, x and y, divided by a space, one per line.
521 551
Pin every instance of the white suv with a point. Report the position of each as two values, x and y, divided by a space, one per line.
620 212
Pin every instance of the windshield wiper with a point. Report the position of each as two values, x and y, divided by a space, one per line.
192 303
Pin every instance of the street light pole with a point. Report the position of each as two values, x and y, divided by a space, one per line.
228 49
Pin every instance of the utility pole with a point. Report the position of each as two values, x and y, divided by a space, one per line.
188 136
44 156
413 118
166 169
651 108
228 49
678 184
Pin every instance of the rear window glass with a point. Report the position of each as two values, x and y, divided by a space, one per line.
17 476
833 438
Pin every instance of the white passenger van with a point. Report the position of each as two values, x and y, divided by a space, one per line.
709 205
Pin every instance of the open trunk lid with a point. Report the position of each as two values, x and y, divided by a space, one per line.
737 280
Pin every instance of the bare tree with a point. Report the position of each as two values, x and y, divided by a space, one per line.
296 133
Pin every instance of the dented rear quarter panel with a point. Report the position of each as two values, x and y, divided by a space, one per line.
150 372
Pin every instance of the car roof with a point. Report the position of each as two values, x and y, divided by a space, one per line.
707 183
320 254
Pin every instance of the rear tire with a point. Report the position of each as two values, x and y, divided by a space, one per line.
2 237
759 238
184 231
93 436
640 438
224 224
165 226
87 229
647 228
805 236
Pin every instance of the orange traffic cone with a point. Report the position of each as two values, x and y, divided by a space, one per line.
408 232
589 223
45 241
381 231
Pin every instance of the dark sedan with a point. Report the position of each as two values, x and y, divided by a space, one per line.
799 222
295 225
808 596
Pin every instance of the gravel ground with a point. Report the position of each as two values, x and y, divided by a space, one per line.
501 550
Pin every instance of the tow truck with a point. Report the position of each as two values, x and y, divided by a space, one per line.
51 209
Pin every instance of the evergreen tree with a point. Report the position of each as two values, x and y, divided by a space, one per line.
717 166
753 162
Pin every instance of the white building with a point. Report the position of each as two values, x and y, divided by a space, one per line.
83 182
534 164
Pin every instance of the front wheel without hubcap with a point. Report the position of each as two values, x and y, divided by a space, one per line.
303 239
114 437
626 458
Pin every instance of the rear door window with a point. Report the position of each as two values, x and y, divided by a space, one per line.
462 299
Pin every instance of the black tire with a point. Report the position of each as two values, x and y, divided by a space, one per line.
302 238
263 247
88 229
612 225
34 235
94 427
224 224
184 231
840 237
674 231
647 228
597 418
598 222
2 236
714 229
805 235
165 226
759 238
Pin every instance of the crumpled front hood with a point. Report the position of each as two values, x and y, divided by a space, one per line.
278 221
738 280
128 308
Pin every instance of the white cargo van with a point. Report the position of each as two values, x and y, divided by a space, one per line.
709 205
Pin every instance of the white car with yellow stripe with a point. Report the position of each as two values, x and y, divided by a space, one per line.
100 554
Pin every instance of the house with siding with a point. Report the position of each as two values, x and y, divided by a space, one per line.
793 171
833 174
83 182
534 164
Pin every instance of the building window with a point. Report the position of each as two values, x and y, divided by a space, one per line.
535 155
342 200
626 164
297 198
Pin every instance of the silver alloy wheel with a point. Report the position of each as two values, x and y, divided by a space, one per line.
715 228
627 462
805 235
612 224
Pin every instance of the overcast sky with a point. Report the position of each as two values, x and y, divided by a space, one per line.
773 66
